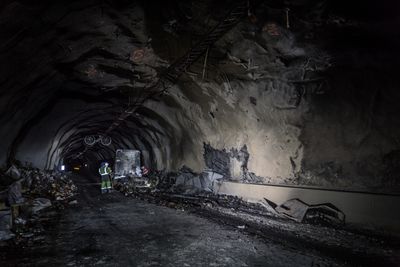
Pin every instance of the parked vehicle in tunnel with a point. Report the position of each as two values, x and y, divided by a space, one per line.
126 163
128 169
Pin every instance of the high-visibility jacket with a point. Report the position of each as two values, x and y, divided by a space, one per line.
104 170
145 171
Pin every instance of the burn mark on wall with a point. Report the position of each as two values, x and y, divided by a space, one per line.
226 162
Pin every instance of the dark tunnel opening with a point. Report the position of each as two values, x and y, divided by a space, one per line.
235 132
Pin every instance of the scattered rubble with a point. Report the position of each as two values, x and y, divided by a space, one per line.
28 191
53 185
187 189
186 181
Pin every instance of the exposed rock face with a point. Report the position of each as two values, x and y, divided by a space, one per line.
231 163
313 104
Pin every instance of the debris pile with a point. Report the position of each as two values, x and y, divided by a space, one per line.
125 186
132 184
187 189
24 193
53 185
189 182
186 181
35 182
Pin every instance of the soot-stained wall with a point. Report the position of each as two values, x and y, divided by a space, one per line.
312 104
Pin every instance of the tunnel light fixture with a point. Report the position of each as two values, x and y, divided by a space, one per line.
62 167
105 140
91 140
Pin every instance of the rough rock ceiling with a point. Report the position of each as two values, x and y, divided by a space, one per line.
70 69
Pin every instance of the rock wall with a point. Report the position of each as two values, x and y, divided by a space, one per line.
312 104
307 114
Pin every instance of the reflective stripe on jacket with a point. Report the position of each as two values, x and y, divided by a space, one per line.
104 170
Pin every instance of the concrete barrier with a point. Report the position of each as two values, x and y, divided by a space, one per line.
371 210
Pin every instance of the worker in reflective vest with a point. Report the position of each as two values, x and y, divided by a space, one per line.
105 172
145 171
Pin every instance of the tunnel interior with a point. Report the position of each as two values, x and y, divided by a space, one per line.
312 96
297 93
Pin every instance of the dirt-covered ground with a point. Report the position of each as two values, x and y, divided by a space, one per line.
114 230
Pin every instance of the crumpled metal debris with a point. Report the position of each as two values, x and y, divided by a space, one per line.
269 206
14 193
320 214
40 203
208 180
187 180
13 172
294 209
190 182
324 214
5 221
73 202
6 235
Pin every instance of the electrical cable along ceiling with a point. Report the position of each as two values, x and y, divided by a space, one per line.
106 67
279 118
293 82
170 76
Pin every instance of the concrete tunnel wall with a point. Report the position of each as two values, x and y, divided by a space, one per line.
361 209
313 104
